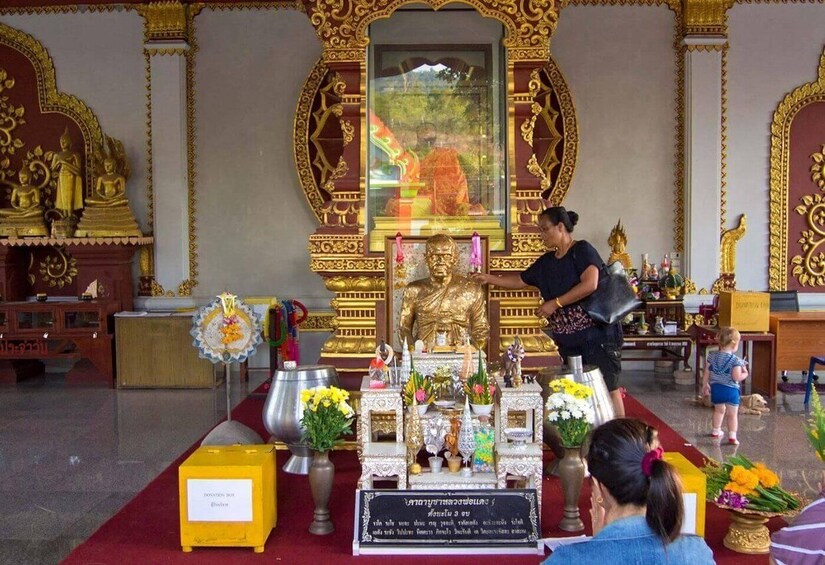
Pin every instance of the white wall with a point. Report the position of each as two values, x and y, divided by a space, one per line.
773 49
619 64
98 57
253 220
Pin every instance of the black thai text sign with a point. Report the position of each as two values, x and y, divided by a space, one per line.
410 520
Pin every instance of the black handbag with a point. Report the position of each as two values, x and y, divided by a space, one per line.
614 297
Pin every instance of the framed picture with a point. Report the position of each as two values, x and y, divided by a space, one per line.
414 267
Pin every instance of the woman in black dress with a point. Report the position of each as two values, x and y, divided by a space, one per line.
564 276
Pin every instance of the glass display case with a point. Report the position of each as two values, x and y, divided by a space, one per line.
436 151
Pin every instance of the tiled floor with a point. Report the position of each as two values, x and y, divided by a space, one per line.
72 457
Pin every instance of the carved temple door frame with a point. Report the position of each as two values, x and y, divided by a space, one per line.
330 150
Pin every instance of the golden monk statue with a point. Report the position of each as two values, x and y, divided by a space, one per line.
66 166
25 217
445 302
107 213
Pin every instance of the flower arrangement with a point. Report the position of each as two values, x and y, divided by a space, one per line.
569 409
478 388
230 329
327 416
815 428
741 484
419 387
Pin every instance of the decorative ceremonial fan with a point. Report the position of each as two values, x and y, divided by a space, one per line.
226 330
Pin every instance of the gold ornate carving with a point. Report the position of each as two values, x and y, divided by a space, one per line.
793 102
679 151
728 245
64 9
817 169
50 99
312 191
164 21
809 267
530 243
185 288
338 245
544 83
150 194
347 264
617 240
167 50
232 6
356 284
10 118
724 135
342 26
499 263
536 170
689 286
319 322
708 48
706 17
58 269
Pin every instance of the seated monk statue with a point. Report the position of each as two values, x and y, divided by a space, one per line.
445 302
25 217
107 212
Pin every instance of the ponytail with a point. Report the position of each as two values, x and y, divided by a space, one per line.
664 501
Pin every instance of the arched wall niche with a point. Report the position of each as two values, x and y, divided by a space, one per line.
331 138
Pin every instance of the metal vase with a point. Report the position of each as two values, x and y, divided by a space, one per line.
283 409
589 375
571 473
321 473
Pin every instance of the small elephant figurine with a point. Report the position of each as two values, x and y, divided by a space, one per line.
511 362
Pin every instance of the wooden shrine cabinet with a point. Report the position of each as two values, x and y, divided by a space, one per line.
31 332
63 326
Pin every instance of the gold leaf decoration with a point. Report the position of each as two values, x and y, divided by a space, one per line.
818 169
10 117
809 266
58 269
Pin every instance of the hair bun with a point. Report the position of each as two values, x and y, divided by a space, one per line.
574 218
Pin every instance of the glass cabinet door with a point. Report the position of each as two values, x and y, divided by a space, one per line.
35 320
82 319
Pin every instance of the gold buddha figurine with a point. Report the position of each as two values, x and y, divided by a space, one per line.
445 302
25 217
66 166
107 213
618 246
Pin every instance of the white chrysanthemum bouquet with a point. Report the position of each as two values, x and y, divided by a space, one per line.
569 409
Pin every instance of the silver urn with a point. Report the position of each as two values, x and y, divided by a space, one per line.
283 409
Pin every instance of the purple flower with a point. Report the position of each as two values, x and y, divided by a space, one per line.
732 499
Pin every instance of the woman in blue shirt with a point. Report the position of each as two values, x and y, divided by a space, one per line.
637 507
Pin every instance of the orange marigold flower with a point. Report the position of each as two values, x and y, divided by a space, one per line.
767 478
744 477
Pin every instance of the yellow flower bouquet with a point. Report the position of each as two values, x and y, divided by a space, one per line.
741 484
327 417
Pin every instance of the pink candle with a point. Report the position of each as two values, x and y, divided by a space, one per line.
475 256
399 251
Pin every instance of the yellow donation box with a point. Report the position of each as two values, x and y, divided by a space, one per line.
227 497
745 311
694 493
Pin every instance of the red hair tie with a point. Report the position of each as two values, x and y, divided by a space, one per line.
649 458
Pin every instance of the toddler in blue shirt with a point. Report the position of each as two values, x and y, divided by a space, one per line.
724 370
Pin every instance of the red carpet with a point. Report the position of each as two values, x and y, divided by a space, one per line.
146 530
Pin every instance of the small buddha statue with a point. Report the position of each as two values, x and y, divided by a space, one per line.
25 217
107 212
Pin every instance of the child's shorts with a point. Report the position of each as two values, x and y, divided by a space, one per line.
722 394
